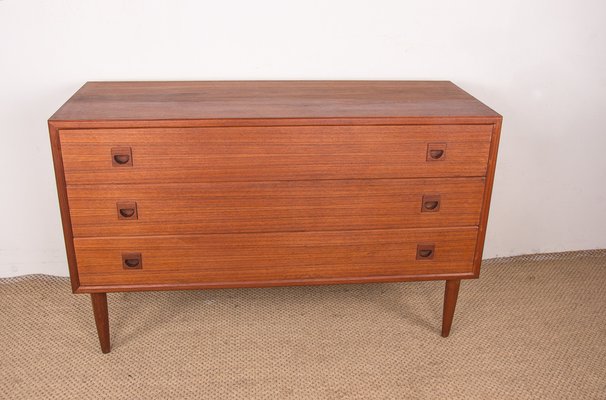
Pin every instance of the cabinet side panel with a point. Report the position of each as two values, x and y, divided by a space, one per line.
64 205
492 163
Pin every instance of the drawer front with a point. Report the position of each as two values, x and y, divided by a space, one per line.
255 259
179 155
224 207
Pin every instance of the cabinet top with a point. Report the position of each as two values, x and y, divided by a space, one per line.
202 100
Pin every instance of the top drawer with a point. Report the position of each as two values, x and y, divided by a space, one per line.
273 153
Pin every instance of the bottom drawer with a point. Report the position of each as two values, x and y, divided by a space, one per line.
262 259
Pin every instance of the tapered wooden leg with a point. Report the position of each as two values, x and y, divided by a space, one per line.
101 319
450 301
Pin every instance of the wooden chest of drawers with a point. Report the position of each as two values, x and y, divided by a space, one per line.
192 185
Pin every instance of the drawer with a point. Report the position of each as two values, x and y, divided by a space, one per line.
260 259
224 207
184 155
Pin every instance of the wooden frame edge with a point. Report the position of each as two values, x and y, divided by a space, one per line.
56 125
64 206
490 172
260 122
272 283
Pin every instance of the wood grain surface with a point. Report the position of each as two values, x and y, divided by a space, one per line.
255 258
99 301
103 101
68 236
193 185
490 172
231 207
274 153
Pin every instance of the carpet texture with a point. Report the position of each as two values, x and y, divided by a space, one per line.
532 327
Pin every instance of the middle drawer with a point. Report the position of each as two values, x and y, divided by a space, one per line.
278 206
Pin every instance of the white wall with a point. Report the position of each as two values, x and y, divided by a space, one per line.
542 64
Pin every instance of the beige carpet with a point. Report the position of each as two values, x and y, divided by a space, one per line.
532 327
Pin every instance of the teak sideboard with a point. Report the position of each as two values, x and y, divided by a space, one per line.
198 185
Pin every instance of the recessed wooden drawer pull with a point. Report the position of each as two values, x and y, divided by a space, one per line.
435 154
422 253
122 157
430 203
132 261
127 210
436 151
425 251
